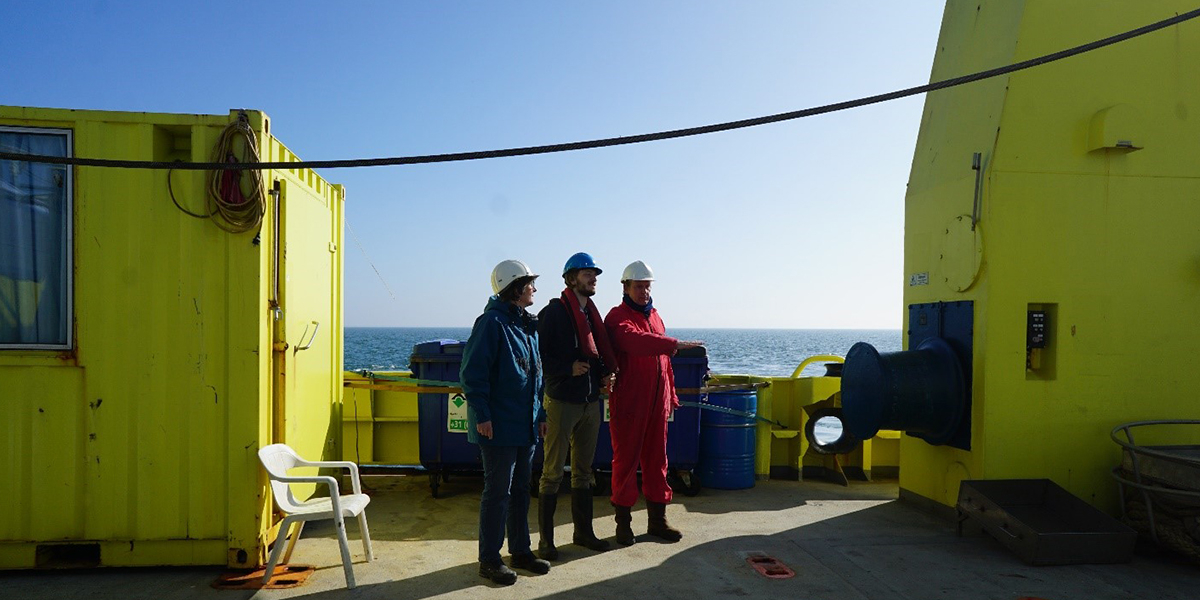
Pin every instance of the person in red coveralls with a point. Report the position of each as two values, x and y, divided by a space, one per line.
641 401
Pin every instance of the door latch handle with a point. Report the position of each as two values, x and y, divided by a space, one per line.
302 345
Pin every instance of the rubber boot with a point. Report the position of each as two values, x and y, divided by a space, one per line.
658 526
546 505
624 525
581 514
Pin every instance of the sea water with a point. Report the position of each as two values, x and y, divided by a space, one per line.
765 352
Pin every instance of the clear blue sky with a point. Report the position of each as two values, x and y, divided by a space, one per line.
793 225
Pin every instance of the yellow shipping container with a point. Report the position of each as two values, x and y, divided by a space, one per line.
131 437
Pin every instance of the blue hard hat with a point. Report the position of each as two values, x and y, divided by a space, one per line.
580 260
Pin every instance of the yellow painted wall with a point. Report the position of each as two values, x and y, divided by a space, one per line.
1104 237
397 428
311 217
380 427
143 439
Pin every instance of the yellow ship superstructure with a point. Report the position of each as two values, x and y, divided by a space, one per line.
1057 208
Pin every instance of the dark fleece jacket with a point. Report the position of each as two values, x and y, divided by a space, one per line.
559 346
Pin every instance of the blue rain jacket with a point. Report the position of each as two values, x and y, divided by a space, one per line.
501 375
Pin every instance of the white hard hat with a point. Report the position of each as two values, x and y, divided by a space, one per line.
637 271
507 272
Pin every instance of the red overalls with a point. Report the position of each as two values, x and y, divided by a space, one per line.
641 401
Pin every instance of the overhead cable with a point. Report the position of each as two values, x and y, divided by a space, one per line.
614 141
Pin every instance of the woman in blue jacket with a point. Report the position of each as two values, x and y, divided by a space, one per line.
501 376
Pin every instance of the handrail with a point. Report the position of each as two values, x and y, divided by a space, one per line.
424 387
1131 446
812 359
400 387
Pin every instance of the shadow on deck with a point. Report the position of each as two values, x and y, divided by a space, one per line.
842 543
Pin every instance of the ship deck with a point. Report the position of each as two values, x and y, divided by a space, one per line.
842 543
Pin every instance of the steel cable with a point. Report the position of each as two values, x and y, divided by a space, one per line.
615 141
175 201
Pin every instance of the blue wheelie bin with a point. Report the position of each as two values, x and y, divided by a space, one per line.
683 430
442 418
683 434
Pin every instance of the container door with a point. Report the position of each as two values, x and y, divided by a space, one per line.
309 367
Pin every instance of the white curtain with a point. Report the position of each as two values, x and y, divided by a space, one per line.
34 221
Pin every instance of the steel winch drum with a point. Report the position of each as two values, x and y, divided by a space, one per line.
921 392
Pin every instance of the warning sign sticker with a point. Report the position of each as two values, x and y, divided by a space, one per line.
456 414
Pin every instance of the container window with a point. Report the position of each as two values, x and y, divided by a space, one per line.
35 242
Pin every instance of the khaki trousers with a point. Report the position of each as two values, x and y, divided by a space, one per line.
570 427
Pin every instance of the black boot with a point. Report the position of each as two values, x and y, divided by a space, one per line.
624 522
530 562
581 514
546 505
658 526
498 573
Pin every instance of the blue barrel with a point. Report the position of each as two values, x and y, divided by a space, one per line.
727 441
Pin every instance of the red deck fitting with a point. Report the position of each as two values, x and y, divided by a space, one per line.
769 566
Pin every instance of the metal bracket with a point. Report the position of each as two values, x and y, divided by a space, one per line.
977 166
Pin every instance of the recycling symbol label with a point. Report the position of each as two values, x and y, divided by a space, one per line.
456 414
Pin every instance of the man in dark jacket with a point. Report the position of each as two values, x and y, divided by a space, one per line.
579 362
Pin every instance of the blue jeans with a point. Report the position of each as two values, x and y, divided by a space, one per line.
505 501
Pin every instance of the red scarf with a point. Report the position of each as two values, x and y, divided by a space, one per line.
590 335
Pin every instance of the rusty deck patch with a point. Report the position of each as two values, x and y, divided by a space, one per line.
285 576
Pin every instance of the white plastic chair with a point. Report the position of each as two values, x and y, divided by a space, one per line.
278 459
